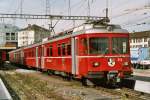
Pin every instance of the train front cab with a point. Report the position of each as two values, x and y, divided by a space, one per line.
103 56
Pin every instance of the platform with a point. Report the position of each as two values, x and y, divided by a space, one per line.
4 94
140 81
141 72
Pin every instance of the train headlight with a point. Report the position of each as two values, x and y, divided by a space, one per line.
126 63
96 64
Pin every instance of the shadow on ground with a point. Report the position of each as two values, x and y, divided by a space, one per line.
6 67
11 91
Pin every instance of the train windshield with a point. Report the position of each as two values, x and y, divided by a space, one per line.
98 45
120 45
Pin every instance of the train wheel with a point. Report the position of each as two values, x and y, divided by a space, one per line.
84 81
87 82
69 77
49 72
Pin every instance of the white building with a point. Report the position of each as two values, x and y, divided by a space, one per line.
140 39
8 35
31 34
2 39
25 38
8 38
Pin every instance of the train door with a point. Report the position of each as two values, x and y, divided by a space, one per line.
3 55
74 56
0 57
22 57
42 57
37 57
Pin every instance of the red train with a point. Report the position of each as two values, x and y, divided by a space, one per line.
89 51
2 56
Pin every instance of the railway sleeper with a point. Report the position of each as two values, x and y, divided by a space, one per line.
65 75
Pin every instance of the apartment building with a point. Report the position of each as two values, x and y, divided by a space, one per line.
32 34
140 39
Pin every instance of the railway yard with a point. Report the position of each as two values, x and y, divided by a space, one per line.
24 84
74 50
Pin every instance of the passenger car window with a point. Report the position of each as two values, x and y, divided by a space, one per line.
63 49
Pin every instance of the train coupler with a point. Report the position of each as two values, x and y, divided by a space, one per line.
113 77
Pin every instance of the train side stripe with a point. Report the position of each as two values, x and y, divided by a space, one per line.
83 57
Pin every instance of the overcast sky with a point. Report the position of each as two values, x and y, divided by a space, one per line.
131 14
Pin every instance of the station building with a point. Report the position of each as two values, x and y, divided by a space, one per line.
31 34
11 37
140 39
140 48
8 39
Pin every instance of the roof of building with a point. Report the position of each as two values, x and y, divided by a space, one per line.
140 34
4 28
35 27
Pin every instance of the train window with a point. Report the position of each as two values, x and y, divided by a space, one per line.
63 49
47 52
51 51
14 56
84 45
42 51
69 49
39 52
98 45
32 53
59 50
120 45
28 54
25 54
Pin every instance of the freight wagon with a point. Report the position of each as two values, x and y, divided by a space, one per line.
140 57
144 58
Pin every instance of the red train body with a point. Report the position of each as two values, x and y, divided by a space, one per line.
2 56
90 51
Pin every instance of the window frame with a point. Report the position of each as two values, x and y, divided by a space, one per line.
63 49
59 49
118 50
50 50
68 47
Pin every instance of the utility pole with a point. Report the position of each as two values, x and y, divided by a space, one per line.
69 8
21 4
48 7
89 8
69 11
106 8
48 12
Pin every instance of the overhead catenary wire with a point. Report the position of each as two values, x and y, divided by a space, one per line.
81 4
73 6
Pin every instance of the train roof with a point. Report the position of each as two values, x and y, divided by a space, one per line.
88 27
98 27
16 50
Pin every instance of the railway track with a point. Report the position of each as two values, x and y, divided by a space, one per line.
126 93
123 93
135 94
